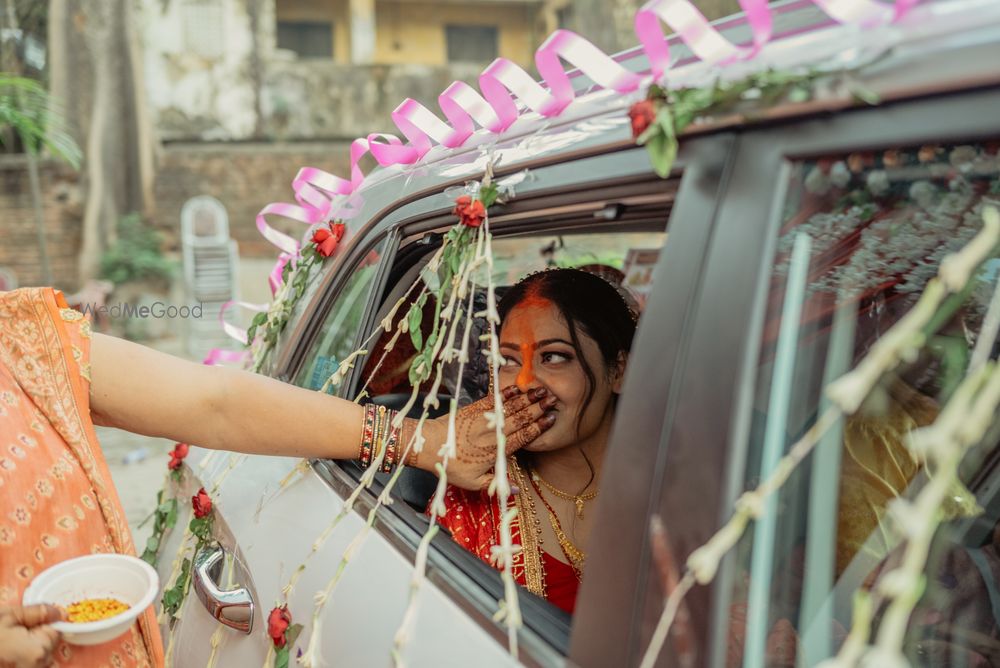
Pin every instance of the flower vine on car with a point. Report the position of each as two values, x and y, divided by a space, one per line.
201 528
295 276
283 634
664 114
164 516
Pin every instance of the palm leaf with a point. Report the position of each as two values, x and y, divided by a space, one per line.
28 109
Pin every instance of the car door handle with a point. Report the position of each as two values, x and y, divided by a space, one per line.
232 607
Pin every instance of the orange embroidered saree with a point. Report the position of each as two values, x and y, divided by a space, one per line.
58 498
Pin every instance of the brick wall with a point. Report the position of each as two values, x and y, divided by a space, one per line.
63 215
244 177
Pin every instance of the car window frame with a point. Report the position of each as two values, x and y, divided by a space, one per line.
717 412
603 634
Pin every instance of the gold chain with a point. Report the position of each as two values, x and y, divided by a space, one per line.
578 499
577 557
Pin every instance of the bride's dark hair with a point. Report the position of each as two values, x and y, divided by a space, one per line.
587 303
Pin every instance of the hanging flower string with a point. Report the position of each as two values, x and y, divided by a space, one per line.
463 251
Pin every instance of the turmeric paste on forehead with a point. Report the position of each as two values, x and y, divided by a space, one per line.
524 333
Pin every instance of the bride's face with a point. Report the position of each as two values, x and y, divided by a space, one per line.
538 348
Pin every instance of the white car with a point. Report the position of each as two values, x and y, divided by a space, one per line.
883 188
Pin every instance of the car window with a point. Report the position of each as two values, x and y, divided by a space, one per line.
339 333
860 236
620 253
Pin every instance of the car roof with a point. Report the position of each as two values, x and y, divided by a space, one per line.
942 46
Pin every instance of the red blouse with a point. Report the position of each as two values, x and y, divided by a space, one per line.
473 519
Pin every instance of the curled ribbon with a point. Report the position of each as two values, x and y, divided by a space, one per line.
507 90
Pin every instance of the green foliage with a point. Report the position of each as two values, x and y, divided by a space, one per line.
28 109
677 109
164 518
136 255
282 656
174 597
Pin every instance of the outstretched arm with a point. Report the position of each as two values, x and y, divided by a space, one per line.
148 392
144 391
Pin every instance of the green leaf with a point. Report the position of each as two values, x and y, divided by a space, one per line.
413 320
171 519
174 597
292 634
153 544
281 657
662 153
488 195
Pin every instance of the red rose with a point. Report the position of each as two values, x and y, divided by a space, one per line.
277 624
470 212
177 456
201 503
327 238
642 114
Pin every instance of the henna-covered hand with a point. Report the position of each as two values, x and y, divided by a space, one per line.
526 418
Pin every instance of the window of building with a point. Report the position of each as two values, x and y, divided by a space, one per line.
204 32
308 39
471 44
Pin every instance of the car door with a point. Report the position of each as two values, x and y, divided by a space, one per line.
782 597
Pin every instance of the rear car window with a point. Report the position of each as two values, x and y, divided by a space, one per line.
876 225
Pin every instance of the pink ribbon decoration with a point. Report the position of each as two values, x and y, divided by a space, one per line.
233 331
507 90
218 356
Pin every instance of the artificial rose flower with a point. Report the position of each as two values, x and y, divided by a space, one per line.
277 624
177 456
642 114
470 211
201 503
327 238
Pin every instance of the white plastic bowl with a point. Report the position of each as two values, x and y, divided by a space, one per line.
128 579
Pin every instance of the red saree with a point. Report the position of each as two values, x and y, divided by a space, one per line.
473 519
59 500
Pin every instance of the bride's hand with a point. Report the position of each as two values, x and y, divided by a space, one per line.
526 418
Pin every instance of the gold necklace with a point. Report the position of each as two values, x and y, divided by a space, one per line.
576 557
578 499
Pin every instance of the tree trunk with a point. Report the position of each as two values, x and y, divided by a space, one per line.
96 68
36 205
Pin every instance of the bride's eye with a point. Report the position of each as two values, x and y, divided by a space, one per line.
553 357
510 360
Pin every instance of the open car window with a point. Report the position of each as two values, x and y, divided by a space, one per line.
861 234
619 250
